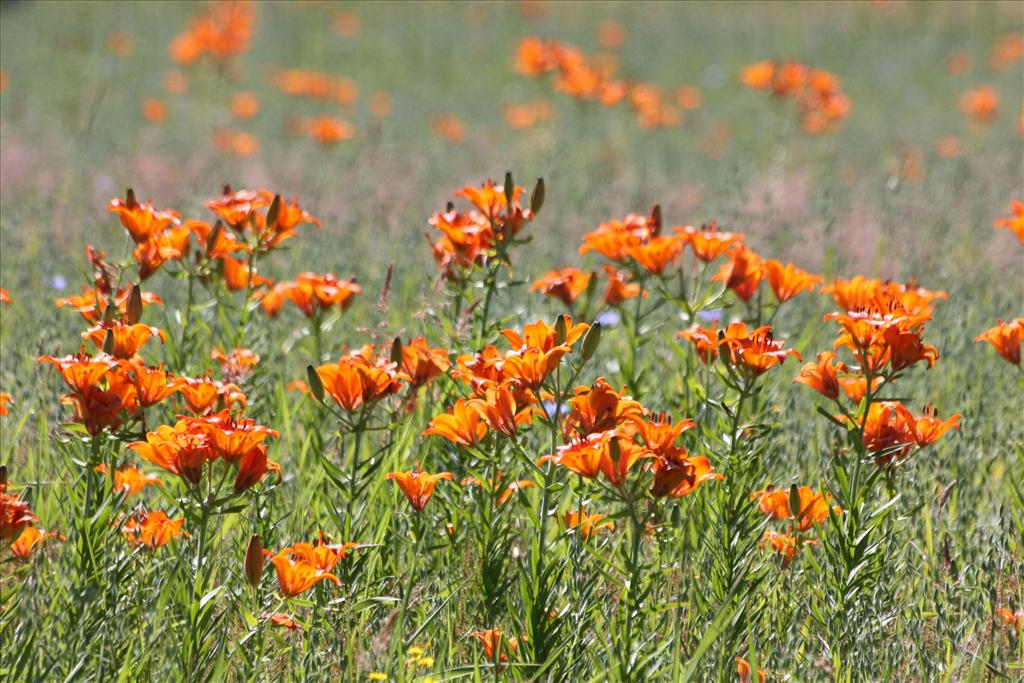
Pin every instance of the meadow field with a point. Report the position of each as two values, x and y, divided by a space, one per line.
551 341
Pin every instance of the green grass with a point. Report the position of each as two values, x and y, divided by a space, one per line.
72 136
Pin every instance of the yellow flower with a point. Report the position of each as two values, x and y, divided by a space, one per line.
378 676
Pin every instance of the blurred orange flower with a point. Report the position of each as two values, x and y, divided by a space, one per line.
423 364
1014 223
787 280
31 539
152 529
980 104
244 105
311 293
222 31
154 110
566 284
589 525
15 515
814 507
448 127
742 273
496 646
1005 338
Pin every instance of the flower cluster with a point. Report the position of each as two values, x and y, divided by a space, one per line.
817 93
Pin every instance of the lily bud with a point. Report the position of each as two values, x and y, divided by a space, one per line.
591 341
560 330
254 561
130 201
794 500
510 189
108 343
396 351
656 218
274 212
537 198
316 385
134 311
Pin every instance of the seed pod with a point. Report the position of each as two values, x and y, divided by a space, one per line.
316 385
254 561
396 351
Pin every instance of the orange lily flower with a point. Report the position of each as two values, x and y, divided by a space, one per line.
15 515
448 127
889 427
5 400
787 280
677 474
418 486
128 339
599 408
253 467
296 576
565 285
783 544
81 371
589 525
1014 620
311 293
814 507
619 288
100 408
657 254
1005 338
236 365
744 672
239 275
30 539
856 387
821 375
92 306
130 480
755 352
141 221
540 335
422 363
493 486
282 620
462 426
322 555
167 245
355 381
500 409
596 453
231 437
742 273
928 428
704 340
1014 223
5 298
495 644
709 242
152 385
615 239
204 394
239 209
182 449
152 529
